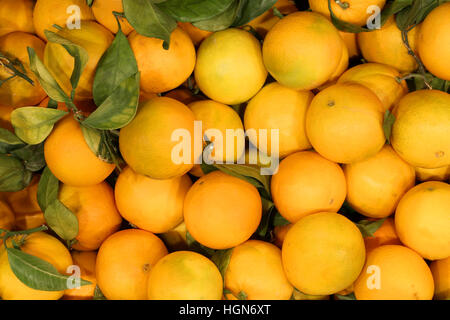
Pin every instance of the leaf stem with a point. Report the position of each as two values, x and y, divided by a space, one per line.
9 234
343 5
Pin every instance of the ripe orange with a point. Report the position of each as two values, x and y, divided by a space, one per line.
436 174
96 212
376 185
185 275
95 39
16 15
86 262
255 268
18 92
441 275
385 234
222 211
197 35
150 204
183 95
278 108
280 233
5 118
433 43
422 219
6 216
229 66
124 262
40 245
352 116
103 13
323 253
351 43
319 183
147 142
163 70
394 272
267 20
69 157
303 50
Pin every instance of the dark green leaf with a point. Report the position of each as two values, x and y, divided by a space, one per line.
222 259
350 296
267 214
389 120
61 220
47 191
98 294
242 295
343 25
279 220
13 175
368 228
415 14
249 10
95 142
32 156
392 8
194 10
194 245
9 141
207 168
16 67
220 22
89 2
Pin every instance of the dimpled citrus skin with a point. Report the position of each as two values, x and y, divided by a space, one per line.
280 108
421 132
344 123
441 275
215 203
422 219
402 275
303 50
434 41
163 70
146 142
229 66
323 253
69 157
20 20
319 182
103 13
376 185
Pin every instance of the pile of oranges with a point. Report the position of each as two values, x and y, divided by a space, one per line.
357 208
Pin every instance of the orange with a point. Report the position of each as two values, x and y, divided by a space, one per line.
50 12
96 212
222 211
40 245
222 126
149 143
5 118
149 204
267 20
229 66
301 296
163 70
381 79
280 108
351 43
6 216
344 123
323 253
185 275
86 107
394 272
280 233
144 96
421 132
441 275
95 39
124 262
386 46
376 185
434 41
342 66
103 13
255 268
303 50
69 157
175 239
23 203
436 174
385 234
197 35
318 182
86 262
183 95
18 92
422 219
352 11
16 15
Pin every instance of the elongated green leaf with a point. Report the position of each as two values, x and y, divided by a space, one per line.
279 220
249 10
48 83
194 10
32 156
33 125
48 188
368 228
37 273
394 8
222 259
220 22
9 141
416 13
148 20
268 211
13 175
79 54
389 120
116 65
95 142
61 220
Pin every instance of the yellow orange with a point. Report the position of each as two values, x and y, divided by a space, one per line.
197 35
441 275
103 13
16 15
86 262
436 174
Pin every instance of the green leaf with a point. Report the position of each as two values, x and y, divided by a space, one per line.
116 65
32 156
268 212
48 83
33 124
242 295
37 273
89 2
13 175
148 20
249 10
222 259
94 140
392 8
14 65
98 294
207 168
119 108
194 245
48 188
220 22
79 54
388 122
279 220
350 296
9 141
415 14
61 220
368 228
343 25
194 10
